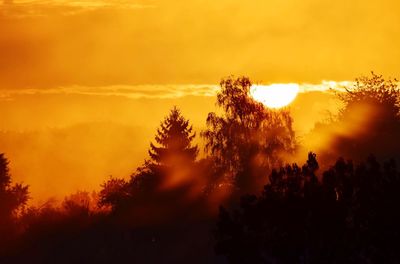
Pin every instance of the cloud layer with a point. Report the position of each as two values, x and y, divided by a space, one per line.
153 91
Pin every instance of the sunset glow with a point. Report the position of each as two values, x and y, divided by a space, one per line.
275 95
154 131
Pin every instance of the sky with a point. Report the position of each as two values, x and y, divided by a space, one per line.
97 43
85 83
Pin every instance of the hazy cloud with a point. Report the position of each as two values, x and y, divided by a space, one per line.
154 91
134 92
26 8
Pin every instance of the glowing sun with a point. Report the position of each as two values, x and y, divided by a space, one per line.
274 95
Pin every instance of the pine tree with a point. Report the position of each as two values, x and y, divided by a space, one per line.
174 138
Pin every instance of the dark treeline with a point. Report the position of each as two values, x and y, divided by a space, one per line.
349 214
241 202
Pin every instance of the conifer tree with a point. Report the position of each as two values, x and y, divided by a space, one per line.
174 139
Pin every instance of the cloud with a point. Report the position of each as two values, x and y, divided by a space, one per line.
133 91
154 91
326 86
27 8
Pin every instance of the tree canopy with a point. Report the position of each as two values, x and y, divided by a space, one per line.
13 197
246 136
346 215
374 90
368 122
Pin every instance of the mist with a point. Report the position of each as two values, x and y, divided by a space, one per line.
60 143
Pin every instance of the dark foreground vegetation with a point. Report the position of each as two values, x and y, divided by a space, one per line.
241 202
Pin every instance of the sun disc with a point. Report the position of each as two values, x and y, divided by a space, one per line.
274 95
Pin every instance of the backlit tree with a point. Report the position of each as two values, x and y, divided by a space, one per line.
246 138
12 196
174 139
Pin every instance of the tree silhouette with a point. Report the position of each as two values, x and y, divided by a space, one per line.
114 193
368 122
175 138
13 197
246 137
81 203
171 165
374 90
383 125
173 159
349 216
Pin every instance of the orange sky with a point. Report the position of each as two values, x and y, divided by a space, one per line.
48 44
84 84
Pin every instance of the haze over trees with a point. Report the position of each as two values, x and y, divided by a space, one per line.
165 179
368 123
339 211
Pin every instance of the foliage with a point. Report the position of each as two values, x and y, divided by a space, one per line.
146 179
170 163
349 216
113 192
81 203
175 138
13 197
246 136
373 90
368 122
